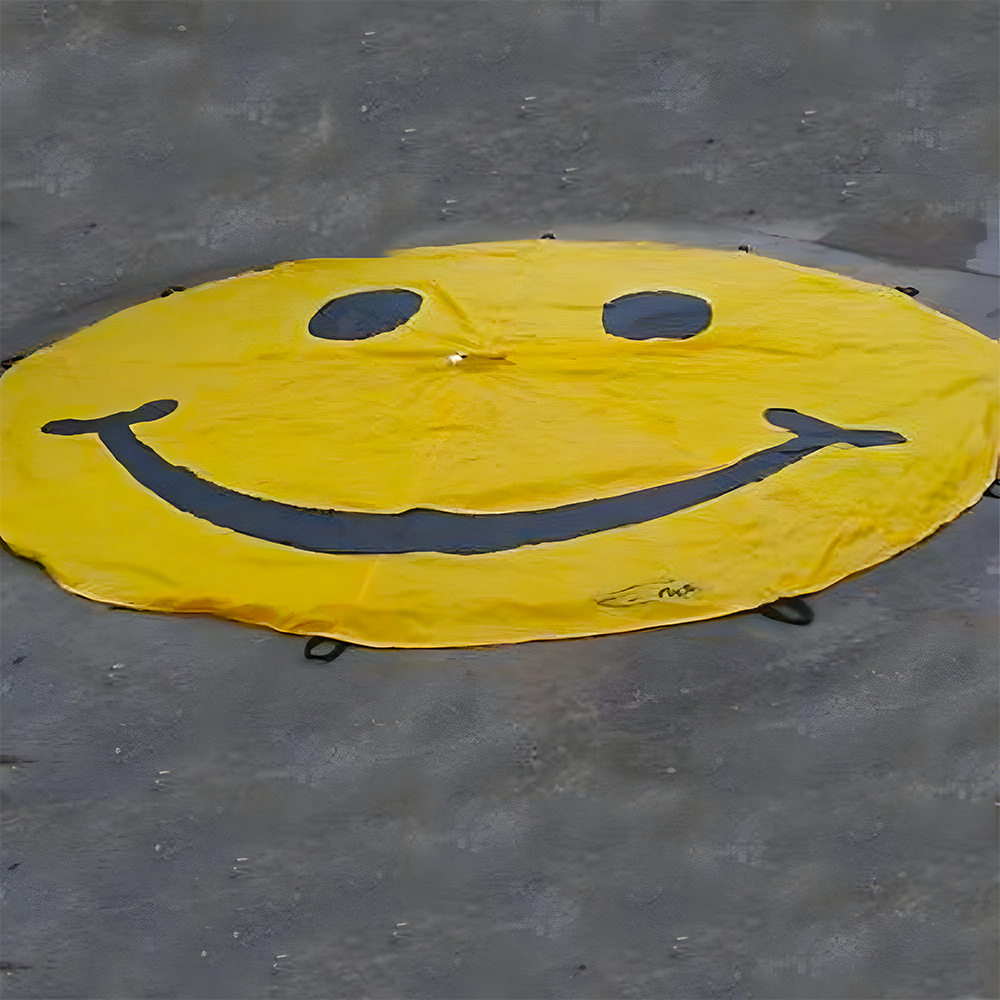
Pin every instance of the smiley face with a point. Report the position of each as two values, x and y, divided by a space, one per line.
494 442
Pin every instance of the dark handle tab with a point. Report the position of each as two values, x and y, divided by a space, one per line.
339 647
790 610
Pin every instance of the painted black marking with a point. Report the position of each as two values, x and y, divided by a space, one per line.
364 314
645 315
422 530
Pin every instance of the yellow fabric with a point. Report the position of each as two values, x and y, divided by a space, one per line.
545 409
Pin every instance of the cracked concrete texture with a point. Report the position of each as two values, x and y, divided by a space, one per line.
733 808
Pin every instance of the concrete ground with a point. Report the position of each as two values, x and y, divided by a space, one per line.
734 808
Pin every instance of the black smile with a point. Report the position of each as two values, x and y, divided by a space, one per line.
421 530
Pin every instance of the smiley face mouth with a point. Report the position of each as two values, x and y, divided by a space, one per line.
424 530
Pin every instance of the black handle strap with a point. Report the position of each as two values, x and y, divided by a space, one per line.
317 640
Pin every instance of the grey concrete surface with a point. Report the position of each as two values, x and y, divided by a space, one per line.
734 808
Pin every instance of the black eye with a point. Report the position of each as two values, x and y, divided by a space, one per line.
646 315
364 314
